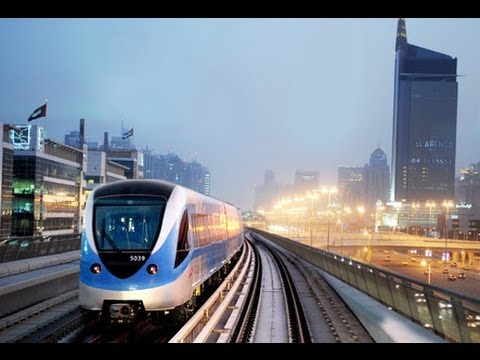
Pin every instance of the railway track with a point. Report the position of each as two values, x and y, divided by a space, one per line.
43 322
325 315
241 318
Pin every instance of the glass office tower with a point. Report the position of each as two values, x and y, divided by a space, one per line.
424 122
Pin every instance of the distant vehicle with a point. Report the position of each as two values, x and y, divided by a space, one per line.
453 264
413 259
461 275
466 267
445 271
427 271
405 263
451 277
387 258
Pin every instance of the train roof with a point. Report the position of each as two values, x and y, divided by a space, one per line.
133 186
146 186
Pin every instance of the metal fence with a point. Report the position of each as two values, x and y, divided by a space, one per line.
29 247
451 315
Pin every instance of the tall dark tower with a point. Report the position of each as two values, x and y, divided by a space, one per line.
82 134
424 122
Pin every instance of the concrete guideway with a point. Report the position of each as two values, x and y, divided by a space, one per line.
25 287
21 266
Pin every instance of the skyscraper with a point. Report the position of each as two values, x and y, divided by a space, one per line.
266 193
377 179
306 180
424 122
351 185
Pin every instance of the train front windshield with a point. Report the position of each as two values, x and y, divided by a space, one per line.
124 223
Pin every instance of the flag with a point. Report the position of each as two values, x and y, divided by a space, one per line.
39 112
127 134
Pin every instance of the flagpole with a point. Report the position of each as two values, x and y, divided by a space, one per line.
46 117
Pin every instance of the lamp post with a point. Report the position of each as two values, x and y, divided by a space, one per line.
415 206
328 230
430 205
311 196
341 234
425 263
329 191
447 204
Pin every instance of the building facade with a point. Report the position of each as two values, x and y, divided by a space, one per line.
468 186
172 168
130 158
6 180
424 122
102 171
351 185
306 180
46 184
266 194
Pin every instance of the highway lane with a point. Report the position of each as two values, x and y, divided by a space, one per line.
401 263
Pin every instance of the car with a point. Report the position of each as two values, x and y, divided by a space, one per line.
461 275
413 259
445 271
427 271
466 267
405 263
453 264
451 277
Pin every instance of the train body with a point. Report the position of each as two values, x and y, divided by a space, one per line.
149 245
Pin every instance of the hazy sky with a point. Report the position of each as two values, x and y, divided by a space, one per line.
238 95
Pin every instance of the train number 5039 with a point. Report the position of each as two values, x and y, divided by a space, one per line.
137 257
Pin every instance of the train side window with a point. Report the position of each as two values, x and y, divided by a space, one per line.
182 245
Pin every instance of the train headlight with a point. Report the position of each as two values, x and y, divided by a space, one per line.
152 269
96 268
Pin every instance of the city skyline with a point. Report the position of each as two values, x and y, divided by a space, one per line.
319 92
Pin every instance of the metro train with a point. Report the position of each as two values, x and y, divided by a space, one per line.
149 246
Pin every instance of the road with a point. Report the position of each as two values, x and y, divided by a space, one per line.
401 262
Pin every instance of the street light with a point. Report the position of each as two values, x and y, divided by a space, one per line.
329 191
368 248
430 205
328 230
424 263
415 206
447 204
341 235
311 196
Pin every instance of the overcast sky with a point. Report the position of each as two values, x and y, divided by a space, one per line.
239 95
